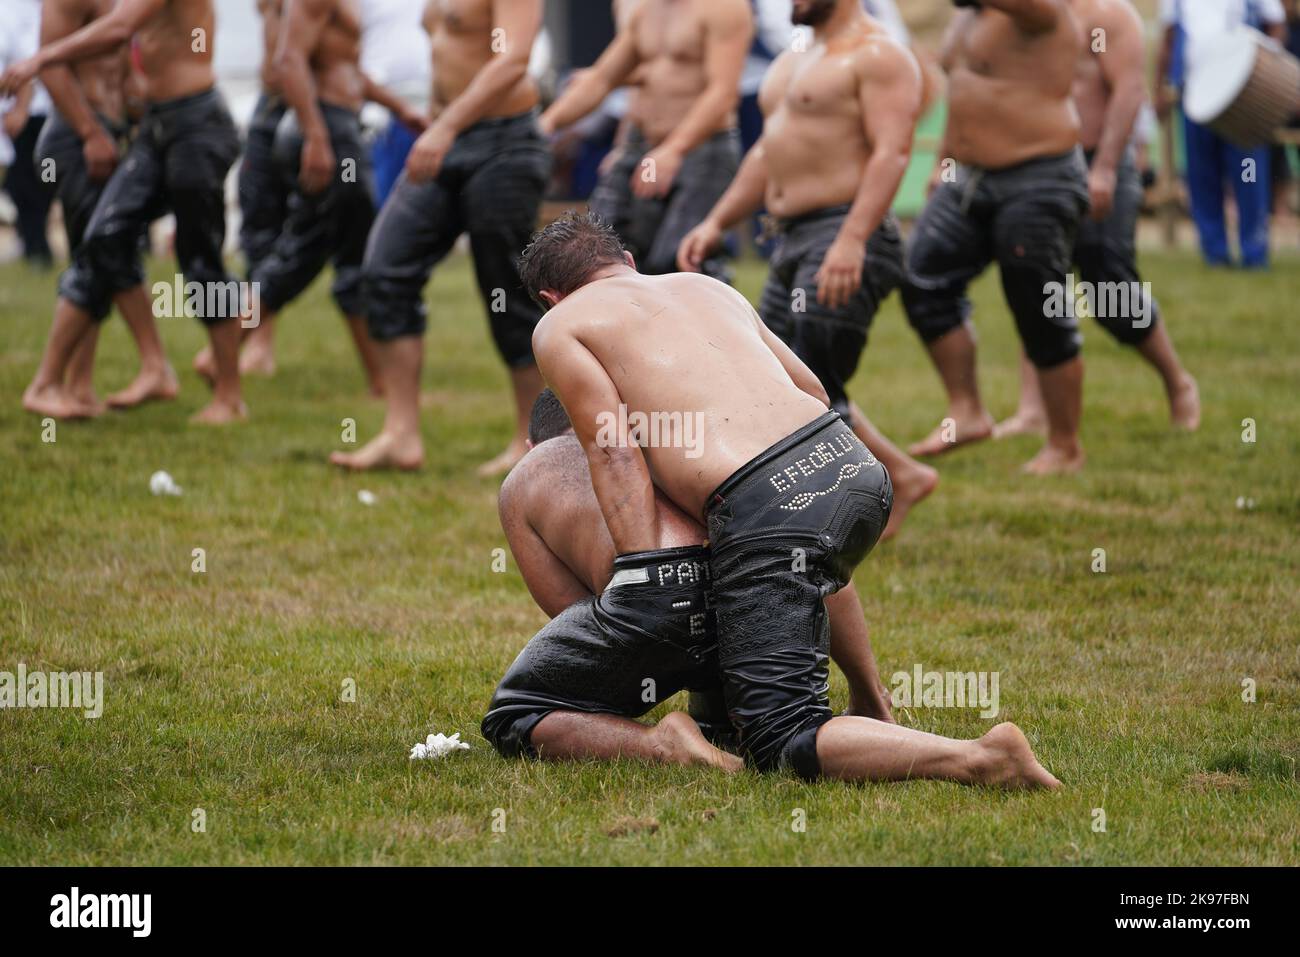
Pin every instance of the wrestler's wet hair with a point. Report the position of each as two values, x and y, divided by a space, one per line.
562 257
548 419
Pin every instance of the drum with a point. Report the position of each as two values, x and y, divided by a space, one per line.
1243 86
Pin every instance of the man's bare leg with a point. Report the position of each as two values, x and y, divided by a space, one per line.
47 394
1030 417
912 481
227 403
81 374
526 383
366 350
398 445
863 749
953 355
156 378
1180 387
256 349
851 651
676 739
1062 388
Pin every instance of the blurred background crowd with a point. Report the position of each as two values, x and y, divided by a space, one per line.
1182 163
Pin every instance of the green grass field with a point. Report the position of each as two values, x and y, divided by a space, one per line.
222 689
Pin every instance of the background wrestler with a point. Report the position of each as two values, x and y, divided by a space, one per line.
615 338
686 57
837 134
81 139
178 161
480 168
1015 195
329 214
1109 89
559 540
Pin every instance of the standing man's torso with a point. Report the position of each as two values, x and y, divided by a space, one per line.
1009 90
461 39
176 47
814 141
671 38
103 78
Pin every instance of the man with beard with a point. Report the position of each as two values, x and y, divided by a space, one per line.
1012 189
792 500
1109 89
81 140
837 134
481 168
318 147
178 161
683 148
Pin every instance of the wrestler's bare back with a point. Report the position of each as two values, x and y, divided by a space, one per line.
1105 25
680 344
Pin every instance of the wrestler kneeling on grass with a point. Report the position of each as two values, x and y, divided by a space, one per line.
605 660
792 499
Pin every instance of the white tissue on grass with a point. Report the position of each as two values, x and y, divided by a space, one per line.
438 746
366 497
160 483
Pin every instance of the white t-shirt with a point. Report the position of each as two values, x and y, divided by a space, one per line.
394 46
20 37
1204 20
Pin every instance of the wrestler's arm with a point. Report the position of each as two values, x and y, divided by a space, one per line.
620 476
852 653
1121 69
304 22
889 97
516 23
406 115
729 32
590 87
61 18
743 198
548 579
100 36
1032 16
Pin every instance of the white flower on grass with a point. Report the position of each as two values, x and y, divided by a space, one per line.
438 746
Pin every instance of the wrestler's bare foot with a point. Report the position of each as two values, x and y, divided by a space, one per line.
1185 405
504 462
85 403
52 400
220 412
155 383
910 487
256 358
1003 758
1022 423
952 432
677 740
384 451
1054 460
205 365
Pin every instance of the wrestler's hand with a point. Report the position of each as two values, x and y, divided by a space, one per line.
654 175
14 122
546 125
413 119
840 275
1101 192
697 244
317 165
608 160
100 154
18 76
429 152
